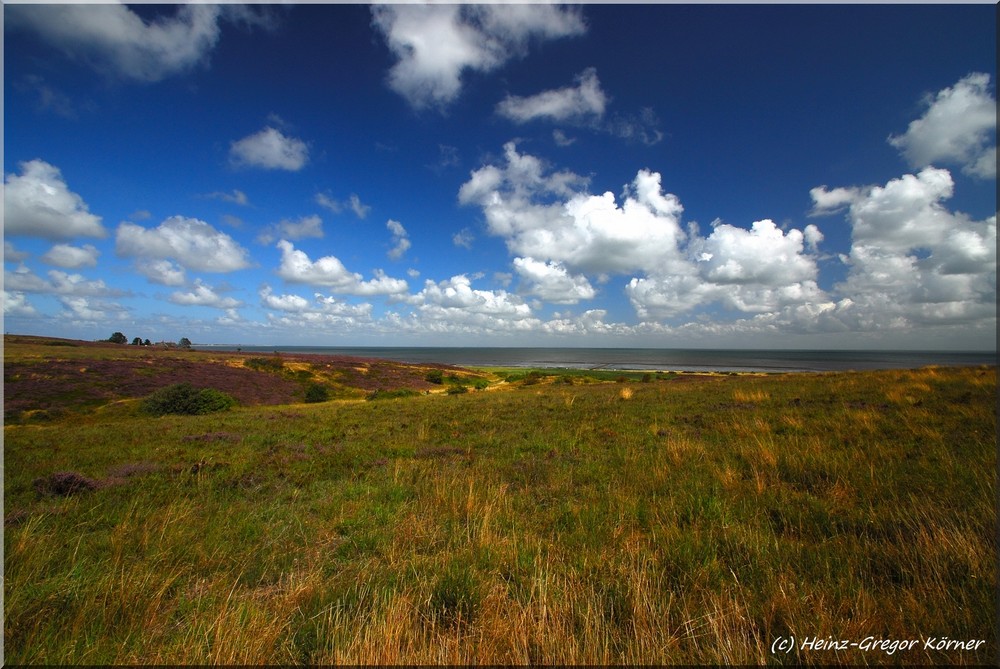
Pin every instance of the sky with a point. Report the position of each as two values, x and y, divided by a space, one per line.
653 175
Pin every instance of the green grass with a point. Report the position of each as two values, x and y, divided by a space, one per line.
599 522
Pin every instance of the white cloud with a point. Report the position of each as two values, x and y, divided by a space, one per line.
296 267
583 102
38 202
327 202
203 295
400 239
912 261
290 303
587 233
463 238
552 283
561 139
562 236
58 283
163 272
435 44
236 197
90 310
305 227
71 257
269 149
115 39
959 127
11 254
639 127
457 293
188 242
15 304
831 201
354 203
360 209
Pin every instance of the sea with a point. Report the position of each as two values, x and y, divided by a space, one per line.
658 359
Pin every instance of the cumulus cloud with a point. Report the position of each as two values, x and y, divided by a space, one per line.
117 41
203 295
562 235
290 303
11 254
304 228
435 45
38 202
400 239
16 304
328 271
959 127
912 261
552 282
269 149
163 272
71 257
584 101
545 216
188 242
59 283
89 310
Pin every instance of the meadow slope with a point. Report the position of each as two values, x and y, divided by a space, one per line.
559 519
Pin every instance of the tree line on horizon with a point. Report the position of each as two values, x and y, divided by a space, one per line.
120 338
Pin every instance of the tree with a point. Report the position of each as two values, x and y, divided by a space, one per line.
137 342
146 342
184 342
118 338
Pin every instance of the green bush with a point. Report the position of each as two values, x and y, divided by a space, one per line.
457 390
435 376
185 399
317 392
391 394
273 364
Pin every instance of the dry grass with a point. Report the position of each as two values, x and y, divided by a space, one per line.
692 524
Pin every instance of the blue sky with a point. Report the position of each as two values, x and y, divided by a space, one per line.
592 175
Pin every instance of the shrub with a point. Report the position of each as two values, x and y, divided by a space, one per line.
456 596
533 377
63 484
273 364
457 390
435 376
185 399
391 394
481 384
317 392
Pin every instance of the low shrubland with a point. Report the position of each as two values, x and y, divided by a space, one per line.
693 521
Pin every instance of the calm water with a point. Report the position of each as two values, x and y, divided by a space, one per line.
717 360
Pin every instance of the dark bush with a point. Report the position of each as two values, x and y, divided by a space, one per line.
435 376
456 596
533 377
391 394
317 392
457 390
273 364
185 399
62 484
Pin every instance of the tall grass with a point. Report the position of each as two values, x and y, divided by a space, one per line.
683 523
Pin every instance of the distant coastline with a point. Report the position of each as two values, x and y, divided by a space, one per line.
701 360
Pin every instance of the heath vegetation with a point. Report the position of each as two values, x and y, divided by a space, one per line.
676 518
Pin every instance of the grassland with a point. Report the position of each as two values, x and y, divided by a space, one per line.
685 519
